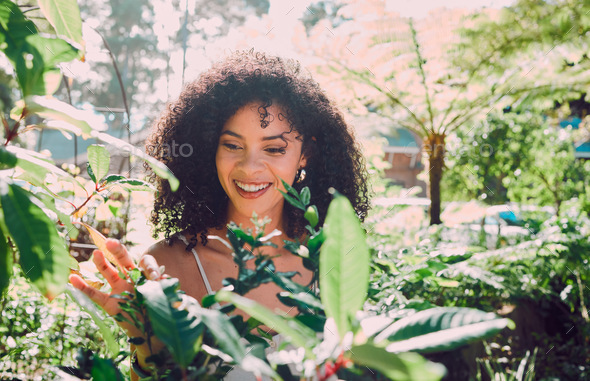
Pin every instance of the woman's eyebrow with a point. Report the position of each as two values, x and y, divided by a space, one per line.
281 136
228 132
264 138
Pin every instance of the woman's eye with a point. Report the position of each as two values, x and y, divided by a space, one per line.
231 147
276 150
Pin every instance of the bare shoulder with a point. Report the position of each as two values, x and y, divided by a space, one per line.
179 263
169 256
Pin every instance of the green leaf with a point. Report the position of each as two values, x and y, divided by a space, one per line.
229 340
294 331
34 57
91 172
286 283
443 282
312 215
305 196
64 15
37 166
5 264
316 241
49 201
302 299
129 184
440 329
43 255
224 331
159 168
98 316
100 160
240 235
7 159
114 209
76 121
105 370
398 367
177 329
44 78
290 189
344 264
113 178
292 200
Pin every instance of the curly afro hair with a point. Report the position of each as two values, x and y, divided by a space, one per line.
197 118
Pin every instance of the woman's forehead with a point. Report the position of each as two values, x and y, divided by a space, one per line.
257 119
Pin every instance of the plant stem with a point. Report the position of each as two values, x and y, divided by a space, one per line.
581 291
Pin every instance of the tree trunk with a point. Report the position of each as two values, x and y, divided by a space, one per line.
435 148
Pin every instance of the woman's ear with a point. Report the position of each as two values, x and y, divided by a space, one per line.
303 161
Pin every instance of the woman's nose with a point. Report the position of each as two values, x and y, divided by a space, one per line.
251 163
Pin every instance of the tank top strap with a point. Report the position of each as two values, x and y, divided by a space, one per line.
199 265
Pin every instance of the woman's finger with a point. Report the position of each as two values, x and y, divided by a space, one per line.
150 267
96 296
120 253
106 268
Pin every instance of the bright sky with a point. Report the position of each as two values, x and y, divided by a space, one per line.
282 24
408 8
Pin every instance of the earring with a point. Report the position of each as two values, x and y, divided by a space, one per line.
300 175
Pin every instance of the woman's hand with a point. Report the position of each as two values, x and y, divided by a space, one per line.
109 304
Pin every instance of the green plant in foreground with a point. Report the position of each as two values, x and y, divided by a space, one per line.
28 236
203 343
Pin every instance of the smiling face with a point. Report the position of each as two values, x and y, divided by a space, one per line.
251 161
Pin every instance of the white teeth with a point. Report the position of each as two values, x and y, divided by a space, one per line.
251 188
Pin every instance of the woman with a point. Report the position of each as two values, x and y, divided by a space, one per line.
250 121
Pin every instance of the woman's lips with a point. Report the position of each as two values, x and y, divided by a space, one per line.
251 190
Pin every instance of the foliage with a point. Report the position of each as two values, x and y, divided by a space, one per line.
524 372
194 336
516 157
42 339
31 204
534 47
539 283
446 72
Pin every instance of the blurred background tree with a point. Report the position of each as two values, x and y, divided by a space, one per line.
447 71
515 157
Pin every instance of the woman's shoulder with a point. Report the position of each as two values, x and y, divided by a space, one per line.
167 251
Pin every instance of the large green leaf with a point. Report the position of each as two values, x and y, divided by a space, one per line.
64 15
224 331
229 342
5 263
97 316
440 329
176 328
44 77
398 367
99 160
344 264
12 18
77 121
43 255
158 167
34 57
294 331
36 167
